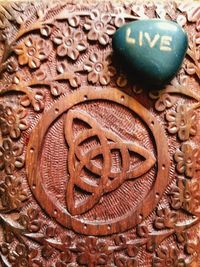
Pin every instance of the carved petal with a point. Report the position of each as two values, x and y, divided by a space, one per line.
73 53
103 39
62 50
110 29
104 79
93 35
93 77
34 63
23 59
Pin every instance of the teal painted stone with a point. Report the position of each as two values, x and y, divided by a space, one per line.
154 49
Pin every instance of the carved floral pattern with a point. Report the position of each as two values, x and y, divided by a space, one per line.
165 218
163 100
12 193
92 251
169 257
119 19
10 157
99 27
99 69
30 220
62 69
182 121
21 256
12 121
70 42
125 262
64 259
186 195
187 159
32 51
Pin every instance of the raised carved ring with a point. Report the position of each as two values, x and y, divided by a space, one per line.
108 180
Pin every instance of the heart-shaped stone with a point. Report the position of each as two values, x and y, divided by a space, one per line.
153 49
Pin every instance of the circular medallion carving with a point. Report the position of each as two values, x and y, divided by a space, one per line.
103 181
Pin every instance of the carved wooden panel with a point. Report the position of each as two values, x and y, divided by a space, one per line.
95 169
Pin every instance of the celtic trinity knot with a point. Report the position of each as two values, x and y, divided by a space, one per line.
90 162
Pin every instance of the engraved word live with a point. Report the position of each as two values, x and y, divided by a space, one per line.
153 49
144 38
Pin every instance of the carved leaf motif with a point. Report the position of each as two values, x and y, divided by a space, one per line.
87 149
9 12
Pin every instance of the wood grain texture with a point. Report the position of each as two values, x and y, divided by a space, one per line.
95 169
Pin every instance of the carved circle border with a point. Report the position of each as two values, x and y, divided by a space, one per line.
51 205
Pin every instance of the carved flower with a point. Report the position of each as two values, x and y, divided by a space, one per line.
32 51
188 160
183 122
22 256
99 69
168 257
12 192
130 248
119 18
99 27
47 250
92 252
37 101
70 42
9 235
165 218
185 195
164 100
10 157
125 262
65 258
12 122
67 74
31 220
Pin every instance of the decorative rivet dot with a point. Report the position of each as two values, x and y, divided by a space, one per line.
33 186
140 216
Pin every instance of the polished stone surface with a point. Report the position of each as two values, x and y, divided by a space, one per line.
154 49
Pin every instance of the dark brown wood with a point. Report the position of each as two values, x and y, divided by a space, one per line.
95 170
